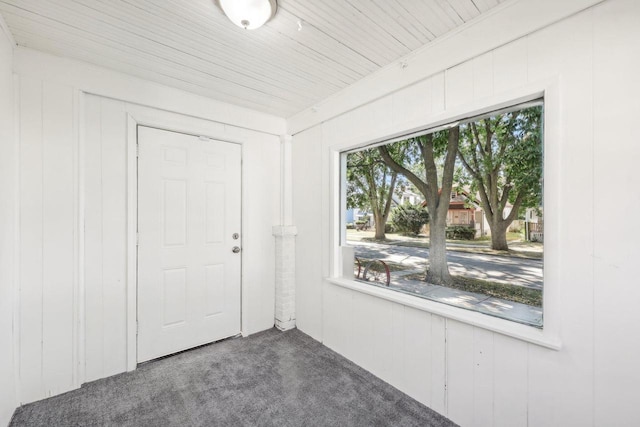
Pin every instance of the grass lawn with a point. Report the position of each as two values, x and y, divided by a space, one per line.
517 247
513 293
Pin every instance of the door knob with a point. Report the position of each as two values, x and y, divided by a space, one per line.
235 249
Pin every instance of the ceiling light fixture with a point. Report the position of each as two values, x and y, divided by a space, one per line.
249 14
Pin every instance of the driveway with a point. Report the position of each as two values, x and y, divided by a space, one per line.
503 269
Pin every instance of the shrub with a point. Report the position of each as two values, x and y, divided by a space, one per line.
460 232
389 227
409 218
350 226
363 220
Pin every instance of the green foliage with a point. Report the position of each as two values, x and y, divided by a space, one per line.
364 219
409 218
370 182
502 155
389 227
460 232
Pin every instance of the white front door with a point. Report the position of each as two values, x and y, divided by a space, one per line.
189 224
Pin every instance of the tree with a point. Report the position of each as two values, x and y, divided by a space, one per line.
502 158
431 147
371 185
409 218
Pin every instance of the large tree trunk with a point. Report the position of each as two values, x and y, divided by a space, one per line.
438 269
380 222
499 236
437 198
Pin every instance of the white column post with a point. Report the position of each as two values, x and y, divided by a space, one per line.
285 309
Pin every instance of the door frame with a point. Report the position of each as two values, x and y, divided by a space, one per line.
164 120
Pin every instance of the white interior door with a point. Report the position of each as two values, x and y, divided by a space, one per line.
188 223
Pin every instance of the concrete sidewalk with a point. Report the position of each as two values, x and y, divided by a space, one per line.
415 260
497 307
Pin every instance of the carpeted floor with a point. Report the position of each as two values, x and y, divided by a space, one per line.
269 379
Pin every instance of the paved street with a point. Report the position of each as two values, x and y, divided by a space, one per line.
513 271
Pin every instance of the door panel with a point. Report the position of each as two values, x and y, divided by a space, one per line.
188 210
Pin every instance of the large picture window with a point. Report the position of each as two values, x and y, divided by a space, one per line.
454 214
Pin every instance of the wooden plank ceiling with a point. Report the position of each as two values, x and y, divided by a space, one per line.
309 51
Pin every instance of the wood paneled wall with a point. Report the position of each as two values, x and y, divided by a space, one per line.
8 161
73 314
48 235
105 238
474 376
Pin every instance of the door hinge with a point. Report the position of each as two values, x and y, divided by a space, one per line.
137 150
137 239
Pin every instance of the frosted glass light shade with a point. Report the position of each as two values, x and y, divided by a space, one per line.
249 14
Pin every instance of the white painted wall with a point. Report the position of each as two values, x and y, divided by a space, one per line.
74 316
466 372
7 226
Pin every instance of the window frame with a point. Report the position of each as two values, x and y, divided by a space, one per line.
549 335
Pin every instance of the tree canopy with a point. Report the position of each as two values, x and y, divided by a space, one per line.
371 185
502 162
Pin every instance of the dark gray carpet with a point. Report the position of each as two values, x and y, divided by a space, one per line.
269 379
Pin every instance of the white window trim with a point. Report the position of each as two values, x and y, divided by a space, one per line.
549 335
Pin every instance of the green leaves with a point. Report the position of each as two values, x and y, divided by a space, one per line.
409 218
502 161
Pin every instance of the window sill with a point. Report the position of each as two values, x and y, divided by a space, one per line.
505 327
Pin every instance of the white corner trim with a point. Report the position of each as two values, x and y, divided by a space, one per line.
132 248
7 31
507 22
502 326
16 241
285 230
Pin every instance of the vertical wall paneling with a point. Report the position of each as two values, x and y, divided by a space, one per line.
74 229
305 193
365 309
510 65
77 315
459 84
615 267
47 239
483 76
412 103
397 373
31 229
58 238
569 237
261 193
460 370
93 319
105 237
510 377
438 364
338 319
438 93
8 182
382 336
416 354
114 249
483 378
